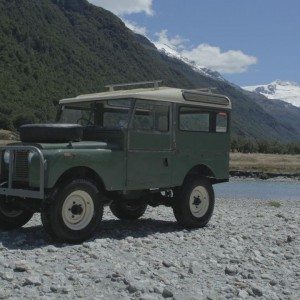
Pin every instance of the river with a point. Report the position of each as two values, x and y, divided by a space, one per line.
259 189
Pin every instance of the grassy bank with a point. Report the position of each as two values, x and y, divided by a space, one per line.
267 163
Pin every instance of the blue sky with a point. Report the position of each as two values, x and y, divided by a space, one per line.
248 41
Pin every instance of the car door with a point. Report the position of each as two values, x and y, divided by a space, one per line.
149 146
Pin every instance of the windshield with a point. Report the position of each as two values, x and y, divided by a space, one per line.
107 114
77 115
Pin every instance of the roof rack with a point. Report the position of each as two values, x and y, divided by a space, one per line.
207 90
155 83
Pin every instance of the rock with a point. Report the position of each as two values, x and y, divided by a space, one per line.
60 289
22 266
231 270
194 268
147 297
157 290
8 276
273 282
132 288
4 294
266 276
166 264
33 280
288 256
167 293
51 249
243 294
256 291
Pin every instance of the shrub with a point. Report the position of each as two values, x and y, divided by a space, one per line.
274 204
5 123
23 119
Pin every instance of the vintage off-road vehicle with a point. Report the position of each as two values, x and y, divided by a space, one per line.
126 148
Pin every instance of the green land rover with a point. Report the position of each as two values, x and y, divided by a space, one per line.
126 148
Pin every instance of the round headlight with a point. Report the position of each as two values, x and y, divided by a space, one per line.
6 156
30 156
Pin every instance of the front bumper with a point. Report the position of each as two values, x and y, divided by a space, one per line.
8 186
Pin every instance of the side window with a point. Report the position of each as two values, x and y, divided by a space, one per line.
116 113
194 119
221 122
151 116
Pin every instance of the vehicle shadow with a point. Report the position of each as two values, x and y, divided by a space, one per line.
34 237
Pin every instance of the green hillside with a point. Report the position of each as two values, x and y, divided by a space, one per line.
52 49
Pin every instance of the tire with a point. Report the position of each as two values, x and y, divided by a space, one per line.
50 133
73 212
194 203
128 210
12 218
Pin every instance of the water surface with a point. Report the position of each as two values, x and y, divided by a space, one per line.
259 189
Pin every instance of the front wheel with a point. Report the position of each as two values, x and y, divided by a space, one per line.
12 217
73 212
194 203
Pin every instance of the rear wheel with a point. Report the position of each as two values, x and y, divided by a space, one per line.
194 203
128 210
73 212
12 217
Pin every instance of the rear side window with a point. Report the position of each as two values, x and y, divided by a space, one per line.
151 116
221 122
194 119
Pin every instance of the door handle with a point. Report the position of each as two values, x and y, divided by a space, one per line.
165 162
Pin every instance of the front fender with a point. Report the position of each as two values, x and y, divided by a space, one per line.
108 164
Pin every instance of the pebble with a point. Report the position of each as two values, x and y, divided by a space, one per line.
167 293
22 266
257 291
231 270
243 294
33 280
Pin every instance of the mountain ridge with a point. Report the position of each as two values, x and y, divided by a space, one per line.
287 91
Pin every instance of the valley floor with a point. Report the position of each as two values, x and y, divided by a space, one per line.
249 249
267 163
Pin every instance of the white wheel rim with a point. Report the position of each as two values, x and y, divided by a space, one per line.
199 201
78 210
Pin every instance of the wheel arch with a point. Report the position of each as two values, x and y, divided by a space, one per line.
83 173
201 170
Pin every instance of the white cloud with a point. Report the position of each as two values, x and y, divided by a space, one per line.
125 7
135 27
232 61
205 55
175 42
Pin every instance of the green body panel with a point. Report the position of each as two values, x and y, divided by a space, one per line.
109 164
148 164
210 150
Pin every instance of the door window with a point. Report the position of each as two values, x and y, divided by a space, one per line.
151 116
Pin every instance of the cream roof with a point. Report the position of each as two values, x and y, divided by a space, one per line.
168 94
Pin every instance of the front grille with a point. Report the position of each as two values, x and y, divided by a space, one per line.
20 172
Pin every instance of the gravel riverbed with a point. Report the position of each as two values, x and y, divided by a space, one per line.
249 249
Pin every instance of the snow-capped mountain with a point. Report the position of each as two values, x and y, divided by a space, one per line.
172 52
282 90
